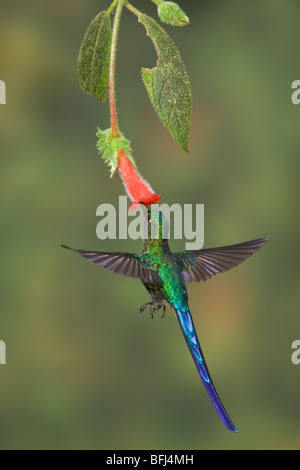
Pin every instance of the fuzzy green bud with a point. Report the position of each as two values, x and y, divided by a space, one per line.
171 13
109 146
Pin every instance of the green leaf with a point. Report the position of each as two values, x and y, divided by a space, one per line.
94 56
109 146
171 13
168 84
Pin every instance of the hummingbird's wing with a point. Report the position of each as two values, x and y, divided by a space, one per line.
190 336
128 264
200 265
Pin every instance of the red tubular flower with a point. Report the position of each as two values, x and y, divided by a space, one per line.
136 187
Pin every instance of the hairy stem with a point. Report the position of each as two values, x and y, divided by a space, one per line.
112 7
158 2
130 7
112 98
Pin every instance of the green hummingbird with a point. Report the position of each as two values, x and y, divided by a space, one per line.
164 275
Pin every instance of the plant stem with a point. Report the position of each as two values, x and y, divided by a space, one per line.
130 7
112 7
158 2
112 98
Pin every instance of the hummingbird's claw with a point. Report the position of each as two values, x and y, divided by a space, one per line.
148 305
153 307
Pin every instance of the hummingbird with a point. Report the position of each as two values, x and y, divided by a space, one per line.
164 274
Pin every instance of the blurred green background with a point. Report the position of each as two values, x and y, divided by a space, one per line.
84 369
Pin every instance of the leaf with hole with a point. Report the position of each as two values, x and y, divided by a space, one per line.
168 84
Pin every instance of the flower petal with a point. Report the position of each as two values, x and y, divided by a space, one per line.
138 190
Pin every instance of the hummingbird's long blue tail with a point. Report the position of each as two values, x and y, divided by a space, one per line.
190 335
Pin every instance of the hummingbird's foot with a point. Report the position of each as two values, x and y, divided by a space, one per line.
148 305
158 306
153 307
